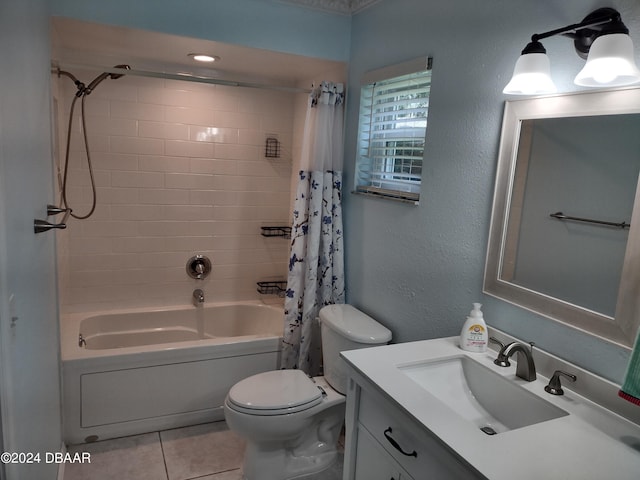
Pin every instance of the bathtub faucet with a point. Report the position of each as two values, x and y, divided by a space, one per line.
198 297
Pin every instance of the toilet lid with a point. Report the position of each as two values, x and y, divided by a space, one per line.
289 390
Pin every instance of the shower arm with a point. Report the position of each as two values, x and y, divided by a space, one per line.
83 89
79 85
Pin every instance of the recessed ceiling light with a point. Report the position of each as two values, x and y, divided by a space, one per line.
201 57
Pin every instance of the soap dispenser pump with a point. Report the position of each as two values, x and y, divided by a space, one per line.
474 336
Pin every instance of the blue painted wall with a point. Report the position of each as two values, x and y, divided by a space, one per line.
418 269
29 345
266 24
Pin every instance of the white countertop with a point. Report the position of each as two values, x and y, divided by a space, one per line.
589 443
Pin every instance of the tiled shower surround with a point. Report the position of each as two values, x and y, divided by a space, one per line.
180 169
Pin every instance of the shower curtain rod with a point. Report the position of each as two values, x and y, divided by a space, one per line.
188 77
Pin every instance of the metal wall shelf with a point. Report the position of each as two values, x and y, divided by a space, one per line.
277 287
284 232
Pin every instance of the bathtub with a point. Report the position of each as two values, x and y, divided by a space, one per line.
141 370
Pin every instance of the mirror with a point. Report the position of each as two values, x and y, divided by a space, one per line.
563 240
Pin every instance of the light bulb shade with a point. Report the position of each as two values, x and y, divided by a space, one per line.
610 63
531 76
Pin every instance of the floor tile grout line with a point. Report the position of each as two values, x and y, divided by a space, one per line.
213 474
162 435
204 475
164 457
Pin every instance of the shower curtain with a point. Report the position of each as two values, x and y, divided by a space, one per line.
316 264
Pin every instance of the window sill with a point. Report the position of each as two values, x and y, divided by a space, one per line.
401 197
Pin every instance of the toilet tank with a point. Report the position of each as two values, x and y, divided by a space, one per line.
344 327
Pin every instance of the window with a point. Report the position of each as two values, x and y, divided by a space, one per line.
394 103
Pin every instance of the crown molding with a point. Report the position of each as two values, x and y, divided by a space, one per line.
345 7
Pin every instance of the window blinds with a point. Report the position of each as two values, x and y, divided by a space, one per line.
391 135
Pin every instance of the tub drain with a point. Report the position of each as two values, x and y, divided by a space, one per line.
488 430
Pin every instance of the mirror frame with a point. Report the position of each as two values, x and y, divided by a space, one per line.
620 329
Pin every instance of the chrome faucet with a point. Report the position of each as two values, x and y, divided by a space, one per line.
198 297
525 367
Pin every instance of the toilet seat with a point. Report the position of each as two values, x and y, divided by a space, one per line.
278 392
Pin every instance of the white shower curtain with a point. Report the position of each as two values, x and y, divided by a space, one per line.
316 265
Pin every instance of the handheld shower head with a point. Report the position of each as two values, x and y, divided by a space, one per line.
94 83
115 76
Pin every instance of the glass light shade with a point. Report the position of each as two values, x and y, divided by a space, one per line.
531 76
610 63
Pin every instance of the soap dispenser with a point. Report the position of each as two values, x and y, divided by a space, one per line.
474 336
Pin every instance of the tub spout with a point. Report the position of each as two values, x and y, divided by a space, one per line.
198 297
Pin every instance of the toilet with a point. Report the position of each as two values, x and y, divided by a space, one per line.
291 422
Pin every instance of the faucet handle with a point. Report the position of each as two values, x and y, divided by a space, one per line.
555 386
502 360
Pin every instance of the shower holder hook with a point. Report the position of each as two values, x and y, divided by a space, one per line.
198 267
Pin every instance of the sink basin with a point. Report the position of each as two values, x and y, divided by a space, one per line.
481 396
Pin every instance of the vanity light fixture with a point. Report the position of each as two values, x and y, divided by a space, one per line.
202 57
601 38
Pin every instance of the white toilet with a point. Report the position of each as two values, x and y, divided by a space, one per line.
291 422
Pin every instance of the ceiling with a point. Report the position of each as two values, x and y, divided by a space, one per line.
82 44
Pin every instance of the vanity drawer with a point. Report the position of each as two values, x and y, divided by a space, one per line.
419 453
373 462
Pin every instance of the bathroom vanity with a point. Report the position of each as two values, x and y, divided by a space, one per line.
390 445
428 410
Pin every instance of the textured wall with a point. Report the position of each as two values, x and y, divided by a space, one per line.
418 269
29 348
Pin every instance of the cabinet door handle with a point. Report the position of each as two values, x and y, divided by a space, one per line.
395 444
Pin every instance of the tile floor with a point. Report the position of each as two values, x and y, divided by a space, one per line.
203 452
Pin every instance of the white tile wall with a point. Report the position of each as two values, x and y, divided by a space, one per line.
180 170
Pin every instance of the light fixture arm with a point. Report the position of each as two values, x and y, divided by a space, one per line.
599 22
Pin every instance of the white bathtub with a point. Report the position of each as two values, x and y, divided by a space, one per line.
142 370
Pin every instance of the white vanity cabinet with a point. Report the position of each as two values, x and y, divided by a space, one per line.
397 428
372 461
385 443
